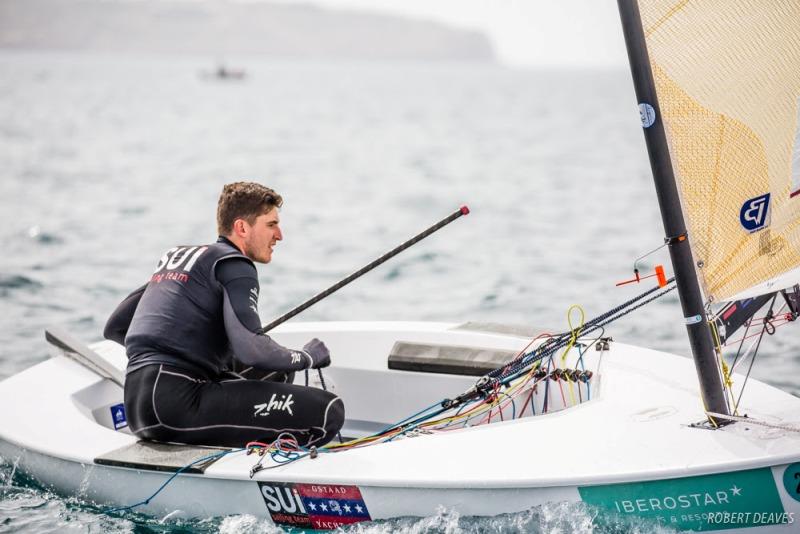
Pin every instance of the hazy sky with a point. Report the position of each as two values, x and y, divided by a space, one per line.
524 32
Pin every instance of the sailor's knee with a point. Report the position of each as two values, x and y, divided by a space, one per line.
334 415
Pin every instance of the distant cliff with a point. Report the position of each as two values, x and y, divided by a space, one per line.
226 28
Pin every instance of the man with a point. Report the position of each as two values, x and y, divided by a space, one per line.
197 314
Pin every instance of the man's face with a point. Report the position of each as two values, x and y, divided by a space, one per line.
262 236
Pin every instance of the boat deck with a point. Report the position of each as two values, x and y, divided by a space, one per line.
637 426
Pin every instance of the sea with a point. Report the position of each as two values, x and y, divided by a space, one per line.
106 161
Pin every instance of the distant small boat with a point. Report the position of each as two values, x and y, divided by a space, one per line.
224 73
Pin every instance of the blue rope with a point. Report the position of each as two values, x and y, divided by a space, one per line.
170 479
410 418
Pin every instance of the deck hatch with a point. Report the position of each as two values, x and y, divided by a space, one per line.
447 359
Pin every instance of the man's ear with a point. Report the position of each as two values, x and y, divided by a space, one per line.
240 227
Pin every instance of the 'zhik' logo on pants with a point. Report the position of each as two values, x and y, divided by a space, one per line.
754 213
284 404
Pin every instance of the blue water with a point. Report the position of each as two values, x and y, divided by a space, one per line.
107 161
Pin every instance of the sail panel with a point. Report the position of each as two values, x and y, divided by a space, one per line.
727 75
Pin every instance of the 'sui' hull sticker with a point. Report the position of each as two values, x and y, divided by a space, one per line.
314 506
709 502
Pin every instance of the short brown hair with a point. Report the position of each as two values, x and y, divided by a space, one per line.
244 200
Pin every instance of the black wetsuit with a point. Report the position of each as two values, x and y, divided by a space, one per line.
199 371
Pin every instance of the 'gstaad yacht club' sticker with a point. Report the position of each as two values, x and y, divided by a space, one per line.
316 506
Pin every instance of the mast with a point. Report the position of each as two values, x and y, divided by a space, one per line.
671 215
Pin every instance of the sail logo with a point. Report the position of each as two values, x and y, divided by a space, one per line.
755 213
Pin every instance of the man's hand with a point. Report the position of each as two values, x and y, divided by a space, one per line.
320 357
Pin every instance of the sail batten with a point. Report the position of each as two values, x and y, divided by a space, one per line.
727 75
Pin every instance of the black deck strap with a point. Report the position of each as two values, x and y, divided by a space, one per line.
164 457
447 359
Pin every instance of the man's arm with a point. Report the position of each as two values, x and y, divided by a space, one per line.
120 319
242 324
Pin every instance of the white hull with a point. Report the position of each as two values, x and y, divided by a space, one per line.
633 434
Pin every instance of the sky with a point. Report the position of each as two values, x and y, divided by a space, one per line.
525 33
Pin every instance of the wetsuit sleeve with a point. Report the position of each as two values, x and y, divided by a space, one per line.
120 319
242 324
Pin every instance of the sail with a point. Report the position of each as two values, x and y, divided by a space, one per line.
727 75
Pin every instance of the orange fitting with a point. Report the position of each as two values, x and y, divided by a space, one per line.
632 280
662 279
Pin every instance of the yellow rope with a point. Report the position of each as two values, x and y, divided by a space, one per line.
572 340
727 381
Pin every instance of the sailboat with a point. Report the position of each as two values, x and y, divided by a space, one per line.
224 72
486 419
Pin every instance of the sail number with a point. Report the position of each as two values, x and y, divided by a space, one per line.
791 481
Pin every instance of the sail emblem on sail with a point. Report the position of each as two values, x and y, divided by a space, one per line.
728 78
755 213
